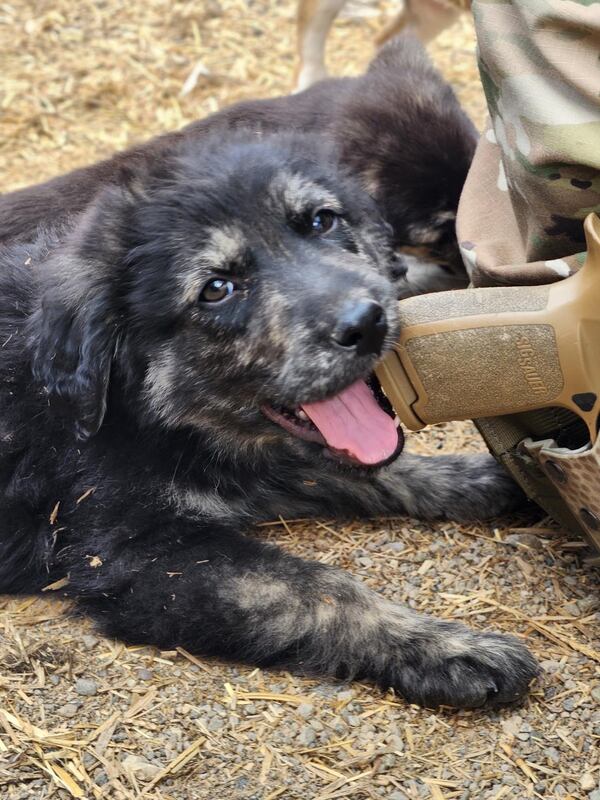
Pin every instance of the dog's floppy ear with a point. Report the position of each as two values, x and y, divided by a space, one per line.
74 334
72 358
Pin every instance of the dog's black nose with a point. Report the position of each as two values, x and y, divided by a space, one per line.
362 327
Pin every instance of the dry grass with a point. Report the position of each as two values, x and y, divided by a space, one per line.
79 81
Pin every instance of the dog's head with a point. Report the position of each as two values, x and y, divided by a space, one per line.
241 290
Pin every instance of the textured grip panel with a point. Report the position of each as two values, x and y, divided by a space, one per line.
479 372
576 477
471 302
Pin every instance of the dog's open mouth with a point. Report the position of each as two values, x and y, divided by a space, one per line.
357 425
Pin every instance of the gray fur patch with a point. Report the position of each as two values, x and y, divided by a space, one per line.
222 247
203 504
160 380
300 194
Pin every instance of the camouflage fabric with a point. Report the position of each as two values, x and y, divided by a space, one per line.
536 173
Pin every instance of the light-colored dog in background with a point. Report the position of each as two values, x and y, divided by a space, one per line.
425 18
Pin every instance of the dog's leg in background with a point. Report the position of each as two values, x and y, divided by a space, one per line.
393 27
238 598
315 18
425 18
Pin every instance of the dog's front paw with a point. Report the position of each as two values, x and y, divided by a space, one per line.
465 488
490 491
465 669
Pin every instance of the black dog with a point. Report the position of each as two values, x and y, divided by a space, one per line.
186 346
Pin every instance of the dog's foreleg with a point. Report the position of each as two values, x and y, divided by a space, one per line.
238 598
315 18
465 488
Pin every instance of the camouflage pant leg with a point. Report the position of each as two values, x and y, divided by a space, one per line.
536 173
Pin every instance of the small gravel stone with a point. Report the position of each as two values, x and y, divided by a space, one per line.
307 736
512 725
306 710
595 795
552 755
100 778
550 666
145 674
587 782
69 710
86 687
395 742
596 693
140 767
396 547
388 761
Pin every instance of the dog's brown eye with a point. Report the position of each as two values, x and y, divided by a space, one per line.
324 221
217 290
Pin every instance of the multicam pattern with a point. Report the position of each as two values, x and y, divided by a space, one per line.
576 477
536 173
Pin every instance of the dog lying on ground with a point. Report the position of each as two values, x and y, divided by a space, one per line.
187 335
424 18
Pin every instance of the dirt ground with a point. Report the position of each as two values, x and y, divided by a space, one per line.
82 716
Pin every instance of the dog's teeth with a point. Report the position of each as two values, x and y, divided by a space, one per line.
302 415
397 421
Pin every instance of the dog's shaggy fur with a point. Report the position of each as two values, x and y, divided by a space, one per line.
134 450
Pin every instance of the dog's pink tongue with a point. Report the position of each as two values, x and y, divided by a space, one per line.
353 422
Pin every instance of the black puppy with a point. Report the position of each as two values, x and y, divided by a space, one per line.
398 129
192 353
